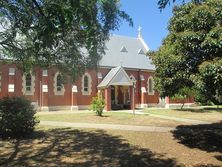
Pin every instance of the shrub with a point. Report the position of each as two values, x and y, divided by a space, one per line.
98 105
17 117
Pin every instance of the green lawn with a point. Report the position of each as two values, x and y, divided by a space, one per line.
109 118
187 145
78 147
211 114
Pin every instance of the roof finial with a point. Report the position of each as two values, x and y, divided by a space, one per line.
139 32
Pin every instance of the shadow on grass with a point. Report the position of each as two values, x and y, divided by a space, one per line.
207 137
213 109
190 110
68 147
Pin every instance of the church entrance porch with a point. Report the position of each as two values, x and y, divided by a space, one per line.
120 97
117 88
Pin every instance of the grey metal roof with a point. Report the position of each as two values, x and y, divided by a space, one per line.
133 58
116 76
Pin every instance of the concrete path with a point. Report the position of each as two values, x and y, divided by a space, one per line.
140 112
193 121
63 112
108 126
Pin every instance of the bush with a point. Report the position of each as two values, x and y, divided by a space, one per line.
98 105
16 117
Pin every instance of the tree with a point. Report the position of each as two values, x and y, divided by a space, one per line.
183 94
163 3
69 33
191 55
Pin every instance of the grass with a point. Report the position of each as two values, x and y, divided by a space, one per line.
187 145
72 147
109 118
210 114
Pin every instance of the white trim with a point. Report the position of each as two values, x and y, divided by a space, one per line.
11 71
58 93
144 43
148 86
73 108
32 91
133 78
11 88
44 72
127 68
43 108
89 84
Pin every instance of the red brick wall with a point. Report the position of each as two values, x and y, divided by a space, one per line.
187 100
50 99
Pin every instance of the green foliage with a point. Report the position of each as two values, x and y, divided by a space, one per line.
16 117
210 82
183 94
190 55
66 33
98 105
163 3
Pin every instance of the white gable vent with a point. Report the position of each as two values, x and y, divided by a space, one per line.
141 52
123 49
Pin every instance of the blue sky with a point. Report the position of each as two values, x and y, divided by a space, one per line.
145 13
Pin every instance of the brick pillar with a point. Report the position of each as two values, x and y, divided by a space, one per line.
74 98
131 97
167 100
143 95
108 99
143 100
11 81
44 89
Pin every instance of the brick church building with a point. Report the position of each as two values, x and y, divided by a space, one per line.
125 76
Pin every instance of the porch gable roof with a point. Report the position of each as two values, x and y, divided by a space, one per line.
116 76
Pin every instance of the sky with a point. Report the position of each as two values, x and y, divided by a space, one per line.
145 13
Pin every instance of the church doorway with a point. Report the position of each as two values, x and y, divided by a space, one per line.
120 97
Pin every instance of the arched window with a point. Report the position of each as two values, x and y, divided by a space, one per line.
132 78
28 82
59 88
86 84
150 84
59 83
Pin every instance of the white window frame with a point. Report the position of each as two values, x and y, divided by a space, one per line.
148 86
132 78
45 73
32 91
56 92
11 71
11 88
89 84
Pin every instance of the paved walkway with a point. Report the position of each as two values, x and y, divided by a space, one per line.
117 126
193 121
140 112
108 126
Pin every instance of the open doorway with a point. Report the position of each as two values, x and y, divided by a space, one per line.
120 97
